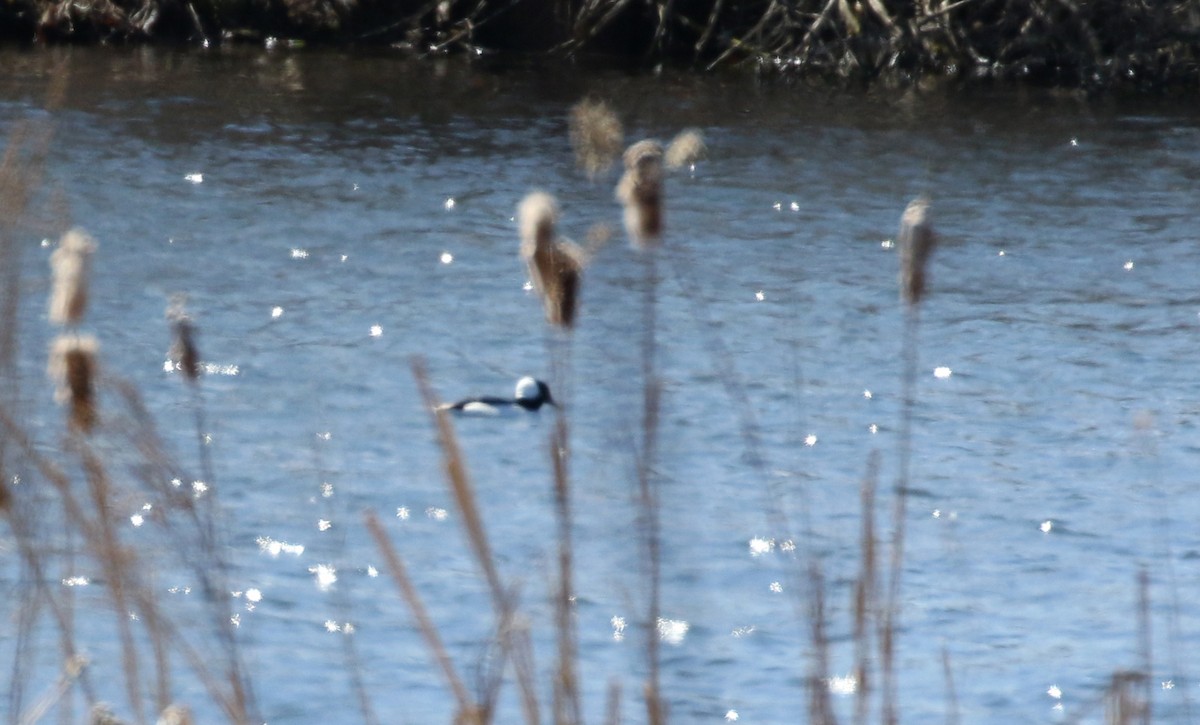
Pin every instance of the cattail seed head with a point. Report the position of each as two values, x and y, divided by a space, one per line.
916 241
183 354
596 135
685 149
640 190
555 266
175 715
73 369
69 266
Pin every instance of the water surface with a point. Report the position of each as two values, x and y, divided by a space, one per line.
331 216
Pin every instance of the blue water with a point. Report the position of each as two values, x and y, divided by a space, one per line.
331 217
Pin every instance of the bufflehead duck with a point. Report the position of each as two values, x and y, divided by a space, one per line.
530 394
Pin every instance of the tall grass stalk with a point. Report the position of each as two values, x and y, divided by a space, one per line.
640 192
866 592
514 642
916 241
555 269
467 709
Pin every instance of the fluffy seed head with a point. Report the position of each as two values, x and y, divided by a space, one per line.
555 267
69 266
640 191
916 241
685 149
596 135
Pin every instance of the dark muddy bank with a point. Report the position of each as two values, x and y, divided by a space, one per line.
1091 45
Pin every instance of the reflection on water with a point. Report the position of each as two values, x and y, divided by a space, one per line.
332 215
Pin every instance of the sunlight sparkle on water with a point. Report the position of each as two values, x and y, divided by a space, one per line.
326 490
298 253
887 244
275 548
324 525
372 572
403 513
326 575
76 581
759 296
137 519
731 715
810 440
1129 265
253 595
942 372
446 258
1046 526
376 330
276 312
618 625
215 369
867 394
449 203
743 632
760 546
437 514
873 428
672 631
199 488
845 685
776 587
1054 692
194 178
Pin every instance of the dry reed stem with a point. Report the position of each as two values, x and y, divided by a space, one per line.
865 591
952 716
596 135
511 640
820 708
69 265
159 629
462 490
555 266
73 668
612 705
204 554
116 563
567 705
399 574
640 191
